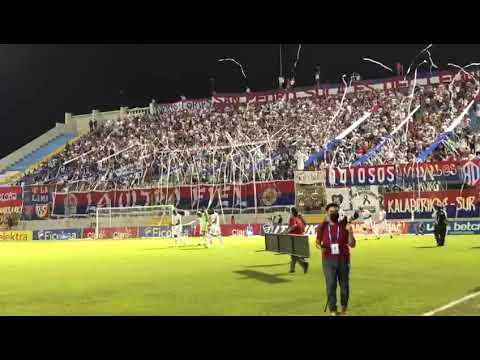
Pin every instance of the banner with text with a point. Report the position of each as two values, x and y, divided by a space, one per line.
359 228
231 101
57 234
11 199
459 204
453 227
450 172
36 202
111 233
274 193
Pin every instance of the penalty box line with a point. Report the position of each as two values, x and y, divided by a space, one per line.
452 304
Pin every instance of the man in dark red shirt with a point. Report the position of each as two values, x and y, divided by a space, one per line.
296 226
335 238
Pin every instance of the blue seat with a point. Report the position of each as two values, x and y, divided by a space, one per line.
40 153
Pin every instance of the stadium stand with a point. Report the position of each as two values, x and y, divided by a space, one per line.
304 127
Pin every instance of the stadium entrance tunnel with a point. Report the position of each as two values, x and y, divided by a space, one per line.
261 276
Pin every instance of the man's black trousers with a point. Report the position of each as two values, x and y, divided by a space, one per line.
294 260
440 232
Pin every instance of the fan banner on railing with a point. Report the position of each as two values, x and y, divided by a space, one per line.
273 193
223 101
36 202
11 199
459 204
450 172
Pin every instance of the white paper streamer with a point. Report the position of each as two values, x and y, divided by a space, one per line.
236 62
378 63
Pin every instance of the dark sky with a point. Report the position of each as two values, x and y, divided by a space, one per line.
39 83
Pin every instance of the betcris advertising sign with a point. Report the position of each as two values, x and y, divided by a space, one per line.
453 227
155 232
57 234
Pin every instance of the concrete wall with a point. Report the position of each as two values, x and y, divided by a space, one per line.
136 221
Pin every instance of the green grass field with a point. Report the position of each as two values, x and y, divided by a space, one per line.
406 275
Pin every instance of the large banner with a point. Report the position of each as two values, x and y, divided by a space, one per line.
355 198
36 202
274 193
450 172
459 204
222 101
185 105
11 199
57 234
453 227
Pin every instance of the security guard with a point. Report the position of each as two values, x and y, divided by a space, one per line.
440 220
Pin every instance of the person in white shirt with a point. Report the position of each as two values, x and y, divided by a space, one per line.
214 228
177 229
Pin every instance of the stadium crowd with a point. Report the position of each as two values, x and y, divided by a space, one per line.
140 151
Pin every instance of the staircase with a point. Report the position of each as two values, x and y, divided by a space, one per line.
21 165
40 153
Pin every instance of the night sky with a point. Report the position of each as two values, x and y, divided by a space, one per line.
39 83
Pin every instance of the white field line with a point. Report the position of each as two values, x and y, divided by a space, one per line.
453 303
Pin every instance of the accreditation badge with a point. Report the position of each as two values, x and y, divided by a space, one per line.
335 249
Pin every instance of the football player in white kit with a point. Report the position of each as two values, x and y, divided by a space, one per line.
177 229
382 222
214 228
367 217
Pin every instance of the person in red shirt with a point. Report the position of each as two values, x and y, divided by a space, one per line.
335 238
296 226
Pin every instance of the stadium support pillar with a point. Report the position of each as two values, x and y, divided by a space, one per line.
123 112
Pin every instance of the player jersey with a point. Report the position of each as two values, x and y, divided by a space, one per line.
177 220
382 215
215 219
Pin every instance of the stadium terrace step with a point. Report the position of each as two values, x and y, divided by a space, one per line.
40 153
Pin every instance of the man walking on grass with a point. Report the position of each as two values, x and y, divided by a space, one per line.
335 238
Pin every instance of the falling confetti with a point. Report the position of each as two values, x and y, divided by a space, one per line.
378 63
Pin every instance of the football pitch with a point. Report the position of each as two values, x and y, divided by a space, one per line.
407 275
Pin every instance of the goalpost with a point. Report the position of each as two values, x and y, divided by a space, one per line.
111 217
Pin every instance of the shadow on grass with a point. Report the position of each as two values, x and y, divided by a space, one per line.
194 248
269 265
260 250
162 248
476 247
264 277
474 290
426 247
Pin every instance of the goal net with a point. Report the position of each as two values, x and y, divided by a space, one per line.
121 217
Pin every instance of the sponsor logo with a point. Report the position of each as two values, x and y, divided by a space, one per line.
154 231
458 227
16 235
238 232
66 234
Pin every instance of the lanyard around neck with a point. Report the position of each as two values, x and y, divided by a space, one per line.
330 233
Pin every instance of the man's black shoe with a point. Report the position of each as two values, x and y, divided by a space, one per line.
305 268
292 271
